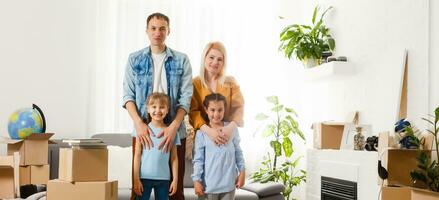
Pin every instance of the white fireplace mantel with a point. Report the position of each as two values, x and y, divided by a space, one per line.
357 166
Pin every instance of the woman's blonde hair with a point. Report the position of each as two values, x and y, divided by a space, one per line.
220 47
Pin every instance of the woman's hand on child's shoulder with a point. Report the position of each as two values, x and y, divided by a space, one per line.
215 135
198 187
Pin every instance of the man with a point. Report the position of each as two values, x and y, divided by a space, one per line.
158 68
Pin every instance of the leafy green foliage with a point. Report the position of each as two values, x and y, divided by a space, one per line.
307 42
428 171
280 128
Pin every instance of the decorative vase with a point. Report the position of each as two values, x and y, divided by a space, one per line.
359 140
310 62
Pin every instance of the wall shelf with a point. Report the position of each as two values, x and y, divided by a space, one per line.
331 69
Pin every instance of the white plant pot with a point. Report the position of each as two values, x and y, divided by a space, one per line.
310 62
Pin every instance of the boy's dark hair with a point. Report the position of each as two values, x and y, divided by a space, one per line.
214 97
158 16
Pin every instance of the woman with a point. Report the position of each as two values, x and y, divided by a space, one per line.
212 79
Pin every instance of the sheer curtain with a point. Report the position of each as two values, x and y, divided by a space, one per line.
249 30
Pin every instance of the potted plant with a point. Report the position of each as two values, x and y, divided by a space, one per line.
306 42
410 138
428 170
279 165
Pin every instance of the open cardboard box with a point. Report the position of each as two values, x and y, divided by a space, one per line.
400 162
83 164
328 134
9 188
34 174
408 193
105 190
33 149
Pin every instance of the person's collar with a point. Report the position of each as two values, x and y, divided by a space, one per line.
168 51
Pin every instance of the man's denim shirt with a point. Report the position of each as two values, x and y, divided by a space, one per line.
138 82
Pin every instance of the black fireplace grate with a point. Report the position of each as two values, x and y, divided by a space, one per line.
338 189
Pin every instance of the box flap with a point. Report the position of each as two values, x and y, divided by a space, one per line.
332 123
428 141
39 136
6 161
33 136
6 140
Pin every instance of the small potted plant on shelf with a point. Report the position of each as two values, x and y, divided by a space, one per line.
280 166
307 42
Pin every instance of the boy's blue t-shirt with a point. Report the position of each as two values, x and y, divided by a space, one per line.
154 163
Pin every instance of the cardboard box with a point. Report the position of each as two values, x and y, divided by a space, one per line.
328 135
83 164
407 193
33 149
34 174
387 140
400 162
9 188
106 190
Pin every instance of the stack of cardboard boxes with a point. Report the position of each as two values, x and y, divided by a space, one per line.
83 174
9 176
33 158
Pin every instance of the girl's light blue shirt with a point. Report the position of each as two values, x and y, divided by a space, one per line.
217 167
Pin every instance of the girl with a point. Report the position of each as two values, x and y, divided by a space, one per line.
216 167
151 166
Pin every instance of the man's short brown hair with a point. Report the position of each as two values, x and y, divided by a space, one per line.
158 16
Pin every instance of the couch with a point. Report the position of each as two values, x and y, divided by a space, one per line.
250 191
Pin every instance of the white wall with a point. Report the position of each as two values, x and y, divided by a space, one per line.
434 52
46 51
373 35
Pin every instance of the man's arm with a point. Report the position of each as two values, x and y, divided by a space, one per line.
171 131
142 129
128 100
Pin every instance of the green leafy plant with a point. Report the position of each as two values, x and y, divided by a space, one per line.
307 42
411 138
279 165
428 170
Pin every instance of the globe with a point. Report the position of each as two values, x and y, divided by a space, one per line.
26 121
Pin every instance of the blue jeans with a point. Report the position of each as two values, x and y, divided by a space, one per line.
161 189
